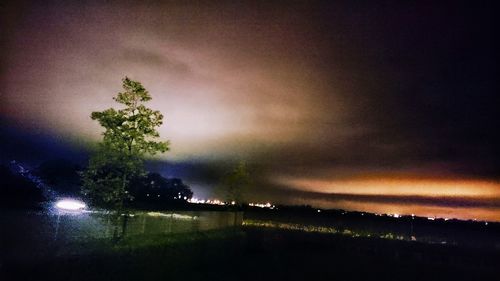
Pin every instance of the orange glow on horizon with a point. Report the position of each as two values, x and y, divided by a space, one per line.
473 191
398 187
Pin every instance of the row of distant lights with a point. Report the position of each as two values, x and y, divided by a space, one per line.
210 202
222 203
260 205
429 218
76 205
397 216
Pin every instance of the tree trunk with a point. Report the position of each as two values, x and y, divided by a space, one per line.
124 225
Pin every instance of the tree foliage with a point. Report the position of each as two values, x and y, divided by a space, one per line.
234 183
130 134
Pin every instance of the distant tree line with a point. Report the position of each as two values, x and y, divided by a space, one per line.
151 189
63 178
17 191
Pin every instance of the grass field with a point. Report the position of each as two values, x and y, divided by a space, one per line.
253 253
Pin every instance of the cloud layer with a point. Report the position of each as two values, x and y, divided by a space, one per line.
312 91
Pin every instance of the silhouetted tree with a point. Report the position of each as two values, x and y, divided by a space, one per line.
233 184
61 175
17 191
157 190
129 135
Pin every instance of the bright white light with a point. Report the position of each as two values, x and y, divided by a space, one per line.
261 205
199 201
70 205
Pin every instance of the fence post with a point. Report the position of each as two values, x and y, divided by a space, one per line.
56 232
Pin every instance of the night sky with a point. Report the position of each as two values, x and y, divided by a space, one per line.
382 106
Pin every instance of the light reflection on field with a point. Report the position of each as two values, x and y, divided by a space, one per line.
321 229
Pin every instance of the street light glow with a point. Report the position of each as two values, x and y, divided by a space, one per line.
70 205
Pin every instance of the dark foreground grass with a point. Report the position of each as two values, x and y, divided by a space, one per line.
256 254
154 257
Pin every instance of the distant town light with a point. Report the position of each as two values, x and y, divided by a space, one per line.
202 201
70 205
261 205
